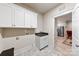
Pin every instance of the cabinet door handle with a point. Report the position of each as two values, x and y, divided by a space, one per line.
17 38
12 24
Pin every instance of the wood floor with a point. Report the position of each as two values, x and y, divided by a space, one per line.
61 47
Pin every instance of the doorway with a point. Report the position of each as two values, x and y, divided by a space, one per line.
63 34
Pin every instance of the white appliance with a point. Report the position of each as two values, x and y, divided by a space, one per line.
41 40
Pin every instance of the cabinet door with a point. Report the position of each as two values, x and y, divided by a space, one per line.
31 40
24 41
19 17
5 15
75 30
9 43
27 19
33 20
21 42
30 19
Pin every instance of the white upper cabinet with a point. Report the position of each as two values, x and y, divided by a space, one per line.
5 15
30 19
24 18
19 17
12 15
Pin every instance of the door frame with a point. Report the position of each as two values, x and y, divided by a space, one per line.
58 15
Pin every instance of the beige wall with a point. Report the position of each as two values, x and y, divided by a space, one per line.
69 26
49 21
12 32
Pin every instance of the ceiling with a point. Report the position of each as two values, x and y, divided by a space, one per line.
65 18
42 7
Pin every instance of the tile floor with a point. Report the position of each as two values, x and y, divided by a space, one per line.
35 52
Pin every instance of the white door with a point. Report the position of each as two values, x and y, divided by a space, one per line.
5 15
75 30
19 17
